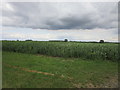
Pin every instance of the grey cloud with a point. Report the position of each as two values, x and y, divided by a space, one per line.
74 22
56 16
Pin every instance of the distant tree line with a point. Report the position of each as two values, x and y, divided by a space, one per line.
28 40
66 40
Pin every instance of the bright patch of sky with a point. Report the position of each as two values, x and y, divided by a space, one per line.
15 33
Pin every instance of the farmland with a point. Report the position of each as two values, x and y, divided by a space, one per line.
104 51
34 64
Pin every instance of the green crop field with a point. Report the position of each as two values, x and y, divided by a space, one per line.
104 51
35 64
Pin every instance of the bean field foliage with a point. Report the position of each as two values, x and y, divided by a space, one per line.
104 51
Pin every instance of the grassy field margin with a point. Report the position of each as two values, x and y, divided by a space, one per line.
82 73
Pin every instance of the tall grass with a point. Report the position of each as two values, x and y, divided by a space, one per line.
104 51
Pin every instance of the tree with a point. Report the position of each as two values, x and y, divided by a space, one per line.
101 41
66 40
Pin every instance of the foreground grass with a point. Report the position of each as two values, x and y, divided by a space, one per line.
76 73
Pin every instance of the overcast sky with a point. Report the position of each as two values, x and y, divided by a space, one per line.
72 20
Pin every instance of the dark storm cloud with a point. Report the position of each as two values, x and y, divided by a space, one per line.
57 16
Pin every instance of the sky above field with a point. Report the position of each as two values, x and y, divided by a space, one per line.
59 20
